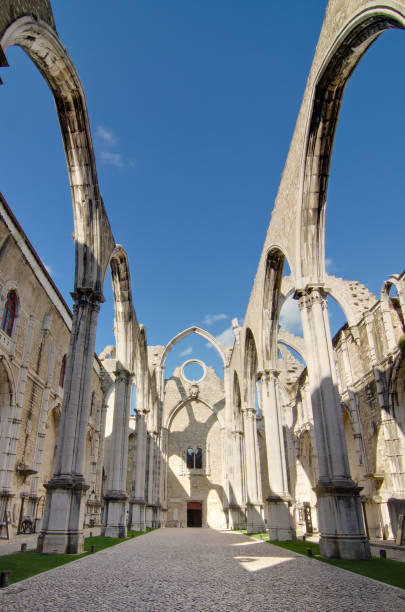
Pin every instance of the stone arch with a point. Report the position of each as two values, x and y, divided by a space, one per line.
396 395
271 304
141 370
124 319
94 241
348 47
7 396
237 403
187 332
184 402
294 342
392 311
250 369
353 298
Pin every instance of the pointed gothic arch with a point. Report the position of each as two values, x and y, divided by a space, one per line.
94 241
348 47
187 332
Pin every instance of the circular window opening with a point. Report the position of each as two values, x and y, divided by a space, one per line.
193 371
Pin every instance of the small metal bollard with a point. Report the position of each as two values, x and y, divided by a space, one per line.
5 578
261 537
383 553
304 537
91 534
309 552
23 547
93 548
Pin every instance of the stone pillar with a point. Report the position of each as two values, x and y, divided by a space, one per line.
279 500
255 521
237 519
164 444
100 458
115 524
340 514
137 502
62 530
150 505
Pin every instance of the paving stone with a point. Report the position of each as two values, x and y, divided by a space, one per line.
199 570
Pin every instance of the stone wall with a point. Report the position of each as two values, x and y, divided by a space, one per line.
30 390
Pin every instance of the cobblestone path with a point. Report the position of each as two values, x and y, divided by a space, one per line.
199 570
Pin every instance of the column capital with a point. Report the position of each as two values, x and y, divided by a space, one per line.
311 295
237 431
122 374
86 296
249 411
270 374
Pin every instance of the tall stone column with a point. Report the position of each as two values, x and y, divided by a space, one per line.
237 519
137 501
100 457
115 524
164 445
62 530
255 521
280 527
340 515
150 461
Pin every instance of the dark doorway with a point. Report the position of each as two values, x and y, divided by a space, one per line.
194 514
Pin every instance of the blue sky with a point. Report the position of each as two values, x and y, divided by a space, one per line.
192 107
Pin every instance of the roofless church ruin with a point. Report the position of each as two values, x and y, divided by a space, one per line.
300 435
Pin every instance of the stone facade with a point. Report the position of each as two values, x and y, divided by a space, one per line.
32 357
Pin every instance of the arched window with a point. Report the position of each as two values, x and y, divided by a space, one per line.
62 372
198 459
9 313
190 458
194 458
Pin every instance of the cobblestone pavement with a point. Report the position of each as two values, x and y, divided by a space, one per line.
199 570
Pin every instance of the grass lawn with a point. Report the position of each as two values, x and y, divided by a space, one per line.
384 570
27 564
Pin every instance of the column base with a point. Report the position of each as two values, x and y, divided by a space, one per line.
254 522
137 516
237 517
63 517
115 524
149 516
280 527
341 522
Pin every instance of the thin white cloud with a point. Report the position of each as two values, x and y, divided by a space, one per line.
115 159
106 136
329 265
210 319
290 317
227 337
187 351
49 269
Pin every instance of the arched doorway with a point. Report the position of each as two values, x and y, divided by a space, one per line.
194 514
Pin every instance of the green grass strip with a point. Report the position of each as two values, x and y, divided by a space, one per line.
385 570
27 564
